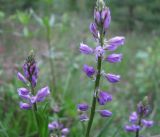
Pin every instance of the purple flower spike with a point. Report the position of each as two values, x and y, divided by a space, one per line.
112 78
107 19
105 113
85 49
132 128
97 16
21 77
83 107
104 97
113 58
65 131
147 123
83 117
42 94
25 106
89 70
99 51
133 117
93 30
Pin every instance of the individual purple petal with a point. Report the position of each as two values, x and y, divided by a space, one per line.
42 94
132 128
25 70
83 107
89 70
104 14
97 16
93 30
83 117
21 77
112 78
107 19
34 81
105 113
99 51
104 97
133 117
85 49
23 91
113 58
65 131
25 106
147 123
53 125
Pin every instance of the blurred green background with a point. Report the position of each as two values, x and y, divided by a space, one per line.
25 25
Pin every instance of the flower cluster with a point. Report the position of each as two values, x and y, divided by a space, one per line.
58 127
98 29
29 78
137 118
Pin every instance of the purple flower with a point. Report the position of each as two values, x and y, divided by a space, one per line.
65 131
104 97
42 94
142 109
53 125
83 117
93 30
113 58
85 49
99 51
107 19
132 128
83 107
133 117
97 16
105 113
147 123
23 91
21 77
25 106
89 70
112 77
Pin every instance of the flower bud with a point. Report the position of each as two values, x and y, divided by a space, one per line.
83 117
107 19
113 58
83 107
116 41
112 78
85 49
89 70
25 106
132 128
104 97
93 30
105 113
133 117
97 16
65 131
147 123
21 77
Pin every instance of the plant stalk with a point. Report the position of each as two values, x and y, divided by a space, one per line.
97 82
139 123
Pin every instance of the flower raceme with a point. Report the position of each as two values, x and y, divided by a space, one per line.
30 76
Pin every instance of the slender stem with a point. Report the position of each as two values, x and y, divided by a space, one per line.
50 59
139 123
97 82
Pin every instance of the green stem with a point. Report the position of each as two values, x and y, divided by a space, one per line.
50 59
97 82
139 123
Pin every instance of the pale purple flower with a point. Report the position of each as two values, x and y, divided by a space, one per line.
93 30
23 91
105 113
25 106
83 117
21 77
147 123
85 49
133 117
83 107
132 128
53 125
99 51
42 94
112 78
89 70
107 19
113 58
104 14
65 131
104 97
